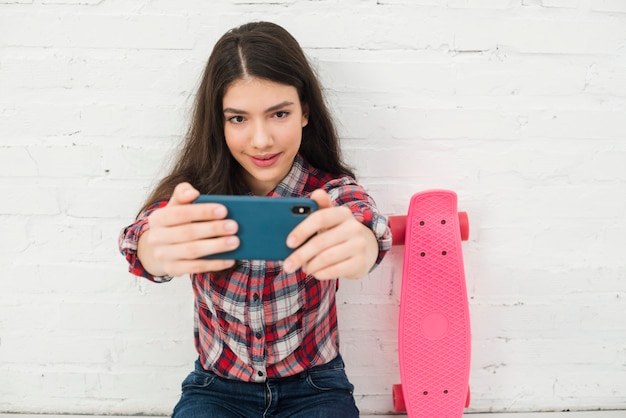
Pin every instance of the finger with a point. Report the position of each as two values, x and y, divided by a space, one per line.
328 239
302 232
185 214
198 266
329 257
334 271
303 255
348 260
180 211
194 231
183 193
195 249
321 198
318 221
346 243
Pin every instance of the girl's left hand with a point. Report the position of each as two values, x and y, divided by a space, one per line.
339 245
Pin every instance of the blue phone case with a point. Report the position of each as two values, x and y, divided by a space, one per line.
264 223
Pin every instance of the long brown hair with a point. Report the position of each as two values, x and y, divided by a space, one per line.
264 50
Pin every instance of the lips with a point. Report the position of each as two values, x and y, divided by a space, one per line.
265 160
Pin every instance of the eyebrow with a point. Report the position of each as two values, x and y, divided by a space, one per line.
268 110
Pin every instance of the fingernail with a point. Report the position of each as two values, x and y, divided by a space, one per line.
220 211
230 226
232 242
291 242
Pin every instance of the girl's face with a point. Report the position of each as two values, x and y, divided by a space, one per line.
263 123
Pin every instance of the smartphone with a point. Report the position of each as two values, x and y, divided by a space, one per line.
264 224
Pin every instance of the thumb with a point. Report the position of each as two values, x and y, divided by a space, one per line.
321 198
183 194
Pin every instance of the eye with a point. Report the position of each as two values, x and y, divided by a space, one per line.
236 119
281 114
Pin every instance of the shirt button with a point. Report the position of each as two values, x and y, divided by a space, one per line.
255 297
260 373
258 335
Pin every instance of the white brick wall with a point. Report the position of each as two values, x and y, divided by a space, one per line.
518 105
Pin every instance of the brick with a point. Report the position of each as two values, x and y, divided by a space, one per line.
104 200
17 161
14 234
401 72
38 119
516 76
67 160
75 279
28 200
549 36
567 124
136 161
131 120
608 6
54 349
106 316
432 123
41 70
153 71
247 2
87 30
59 239
567 4
480 4
373 288
73 3
372 317
87 390
607 78
18 314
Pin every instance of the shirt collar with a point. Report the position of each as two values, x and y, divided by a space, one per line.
294 182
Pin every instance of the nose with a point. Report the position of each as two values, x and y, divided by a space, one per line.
261 137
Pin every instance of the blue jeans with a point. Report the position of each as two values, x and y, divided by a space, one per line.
320 392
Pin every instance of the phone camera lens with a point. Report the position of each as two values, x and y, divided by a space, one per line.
301 210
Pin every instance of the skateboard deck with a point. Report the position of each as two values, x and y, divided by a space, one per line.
434 342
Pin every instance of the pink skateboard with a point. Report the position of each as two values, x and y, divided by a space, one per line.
434 343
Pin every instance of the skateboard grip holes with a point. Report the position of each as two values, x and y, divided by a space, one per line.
422 254
422 223
445 392
443 222
425 393
444 253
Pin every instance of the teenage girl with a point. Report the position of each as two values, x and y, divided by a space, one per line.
266 332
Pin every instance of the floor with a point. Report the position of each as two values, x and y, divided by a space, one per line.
585 414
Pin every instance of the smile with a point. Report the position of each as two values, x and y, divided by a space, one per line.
265 160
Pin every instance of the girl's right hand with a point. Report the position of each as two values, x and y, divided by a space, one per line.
181 233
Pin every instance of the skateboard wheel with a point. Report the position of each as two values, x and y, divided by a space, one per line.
398 399
464 225
467 400
398 229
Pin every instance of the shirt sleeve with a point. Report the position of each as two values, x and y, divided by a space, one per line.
345 191
127 242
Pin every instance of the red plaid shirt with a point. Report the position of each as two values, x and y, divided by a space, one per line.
260 322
